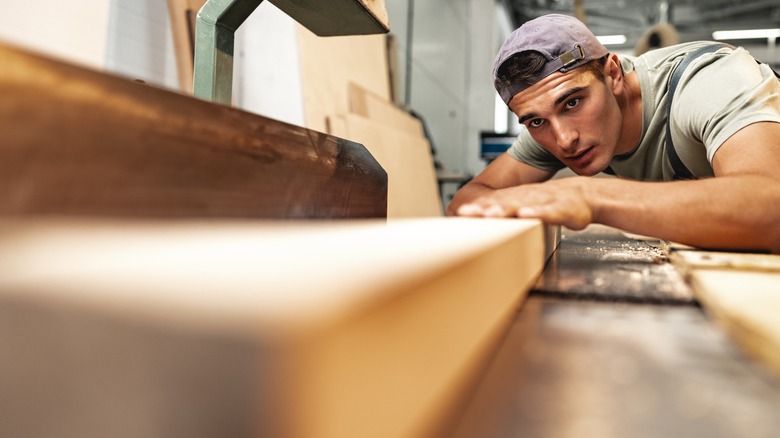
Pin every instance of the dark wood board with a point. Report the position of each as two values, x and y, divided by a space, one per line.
81 142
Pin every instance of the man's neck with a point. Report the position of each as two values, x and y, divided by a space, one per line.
630 104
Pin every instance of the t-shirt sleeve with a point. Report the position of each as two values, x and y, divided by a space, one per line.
527 150
722 94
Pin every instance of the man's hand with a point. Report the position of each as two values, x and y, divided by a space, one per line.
561 202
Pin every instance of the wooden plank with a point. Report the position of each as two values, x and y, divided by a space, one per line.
76 141
307 329
727 260
742 292
328 65
182 15
394 70
372 106
746 304
413 190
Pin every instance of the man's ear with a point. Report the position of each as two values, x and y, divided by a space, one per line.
614 72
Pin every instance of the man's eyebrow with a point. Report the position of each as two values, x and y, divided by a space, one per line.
525 117
558 101
566 95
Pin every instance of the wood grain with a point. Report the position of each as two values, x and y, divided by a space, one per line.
742 292
329 65
294 329
76 141
412 187
182 14
381 110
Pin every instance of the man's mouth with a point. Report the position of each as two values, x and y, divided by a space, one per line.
580 156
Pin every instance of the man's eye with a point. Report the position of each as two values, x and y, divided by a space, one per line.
571 103
535 123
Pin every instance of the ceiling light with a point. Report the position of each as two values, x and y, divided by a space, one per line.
611 40
745 34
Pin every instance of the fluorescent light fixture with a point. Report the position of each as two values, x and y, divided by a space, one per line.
745 34
611 40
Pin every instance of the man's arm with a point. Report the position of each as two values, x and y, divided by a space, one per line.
503 172
738 209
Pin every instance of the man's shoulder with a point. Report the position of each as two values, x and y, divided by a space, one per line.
671 53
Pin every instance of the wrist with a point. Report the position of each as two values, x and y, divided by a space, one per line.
593 192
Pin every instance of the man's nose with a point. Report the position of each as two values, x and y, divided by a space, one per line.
565 135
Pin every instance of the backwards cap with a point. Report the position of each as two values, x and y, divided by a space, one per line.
565 41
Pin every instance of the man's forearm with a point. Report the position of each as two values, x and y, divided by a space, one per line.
736 212
468 193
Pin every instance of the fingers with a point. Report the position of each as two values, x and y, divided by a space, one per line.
471 210
529 212
487 210
497 209
569 214
551 204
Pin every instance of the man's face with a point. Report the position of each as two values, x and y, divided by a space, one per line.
574 116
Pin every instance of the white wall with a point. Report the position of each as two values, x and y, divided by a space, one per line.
132 38
75 30
128 37
486 36
453 46
266 67
139 43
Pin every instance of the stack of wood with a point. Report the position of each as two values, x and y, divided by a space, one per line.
346 91
397 141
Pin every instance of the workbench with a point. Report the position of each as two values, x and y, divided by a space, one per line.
611 342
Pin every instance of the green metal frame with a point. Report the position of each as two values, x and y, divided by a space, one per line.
218 21
215 31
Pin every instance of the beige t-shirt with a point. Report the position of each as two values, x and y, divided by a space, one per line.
719 94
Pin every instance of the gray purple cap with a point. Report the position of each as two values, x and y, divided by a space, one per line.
565 41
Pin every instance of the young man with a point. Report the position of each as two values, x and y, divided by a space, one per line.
584 108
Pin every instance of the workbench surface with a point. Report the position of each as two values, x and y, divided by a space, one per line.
612 343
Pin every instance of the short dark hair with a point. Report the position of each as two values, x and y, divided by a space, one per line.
524 66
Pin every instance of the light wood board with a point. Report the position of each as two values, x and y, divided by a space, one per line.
328 65
742 291
413 189
307 329
377 108
182 15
